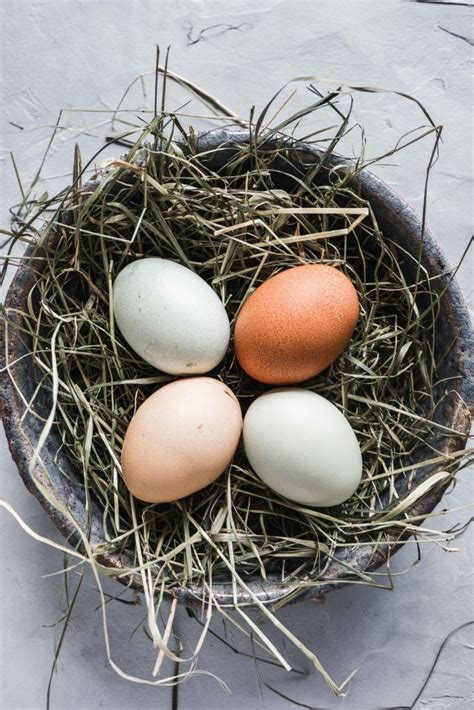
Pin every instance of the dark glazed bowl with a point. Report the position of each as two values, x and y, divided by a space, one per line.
453 351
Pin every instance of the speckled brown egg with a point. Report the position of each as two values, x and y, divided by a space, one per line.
296 324
181 439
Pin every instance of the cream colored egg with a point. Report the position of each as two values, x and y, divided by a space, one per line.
181 439
170 316
302 447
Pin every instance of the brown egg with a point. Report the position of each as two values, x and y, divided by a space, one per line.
181 439
296 324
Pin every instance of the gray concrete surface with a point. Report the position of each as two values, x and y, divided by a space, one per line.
80 54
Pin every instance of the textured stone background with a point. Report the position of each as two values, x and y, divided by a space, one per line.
74 54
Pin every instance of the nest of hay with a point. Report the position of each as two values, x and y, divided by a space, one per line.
236 207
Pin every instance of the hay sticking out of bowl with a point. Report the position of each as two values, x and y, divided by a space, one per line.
235 226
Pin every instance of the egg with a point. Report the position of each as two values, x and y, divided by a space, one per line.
180 439
170 316
296 324
302 447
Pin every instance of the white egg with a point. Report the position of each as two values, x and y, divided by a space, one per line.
302 447
170 316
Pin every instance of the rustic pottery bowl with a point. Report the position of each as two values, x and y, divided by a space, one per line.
394 217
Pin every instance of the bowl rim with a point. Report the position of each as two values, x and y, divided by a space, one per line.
364 559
